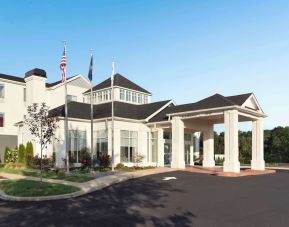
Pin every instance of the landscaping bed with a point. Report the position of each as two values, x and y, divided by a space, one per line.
48 174
29 188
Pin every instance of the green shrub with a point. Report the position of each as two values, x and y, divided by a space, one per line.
29 148
2 165
53 157
103 160
120 166
21 154
35 162
10 155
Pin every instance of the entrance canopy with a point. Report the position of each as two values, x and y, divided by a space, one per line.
202 115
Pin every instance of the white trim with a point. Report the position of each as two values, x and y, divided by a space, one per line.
13 81
256 101
115 86
219 108
159 110
68 81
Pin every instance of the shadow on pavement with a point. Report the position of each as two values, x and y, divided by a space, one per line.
132 203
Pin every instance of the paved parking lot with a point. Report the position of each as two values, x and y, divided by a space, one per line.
190 200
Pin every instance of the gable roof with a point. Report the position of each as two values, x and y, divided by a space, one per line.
123 110
210 102
120 81
13 78
21 80
239 99
58 82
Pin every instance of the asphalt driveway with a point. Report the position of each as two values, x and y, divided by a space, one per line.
190 200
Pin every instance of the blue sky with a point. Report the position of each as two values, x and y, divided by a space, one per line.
181 50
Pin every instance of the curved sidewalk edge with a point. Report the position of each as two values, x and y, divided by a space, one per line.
87 187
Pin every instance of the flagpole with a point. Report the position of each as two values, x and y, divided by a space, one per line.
66 118
91 115
112 116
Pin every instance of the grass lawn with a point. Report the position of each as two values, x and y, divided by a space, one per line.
51 175
25 188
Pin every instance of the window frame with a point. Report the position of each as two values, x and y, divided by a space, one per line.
3 86
3 121
130 148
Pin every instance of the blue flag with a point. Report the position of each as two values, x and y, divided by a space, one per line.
90 69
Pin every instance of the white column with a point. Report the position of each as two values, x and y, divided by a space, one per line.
208 147
161 141
192 151
178 150
231 163
257 162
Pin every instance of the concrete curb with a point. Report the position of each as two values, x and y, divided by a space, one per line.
89 186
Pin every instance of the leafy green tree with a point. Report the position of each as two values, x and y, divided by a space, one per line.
42 125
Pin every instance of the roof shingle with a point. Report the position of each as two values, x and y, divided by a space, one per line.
120 81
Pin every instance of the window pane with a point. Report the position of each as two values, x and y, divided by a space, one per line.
124 154
1 120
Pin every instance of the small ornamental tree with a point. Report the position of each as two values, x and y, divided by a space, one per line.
42 125
21 153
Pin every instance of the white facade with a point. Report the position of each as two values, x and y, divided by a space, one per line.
161 132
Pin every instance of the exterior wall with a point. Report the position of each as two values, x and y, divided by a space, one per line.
56 96
12 106
142 130
10 141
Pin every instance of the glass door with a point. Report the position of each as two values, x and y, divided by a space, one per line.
167 153
187 154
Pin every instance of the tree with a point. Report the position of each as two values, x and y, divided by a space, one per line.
42 125
21 154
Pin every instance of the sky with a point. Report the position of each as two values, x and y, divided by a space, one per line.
183 50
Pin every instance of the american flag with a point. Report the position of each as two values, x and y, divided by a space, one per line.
63 66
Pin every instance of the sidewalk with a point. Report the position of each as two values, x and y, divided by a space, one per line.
86 187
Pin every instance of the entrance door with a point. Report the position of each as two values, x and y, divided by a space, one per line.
167 153
187 154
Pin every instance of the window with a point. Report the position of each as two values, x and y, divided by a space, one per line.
1 120
188 137
101 142
145 99
76 143
167 135
154 142
105 95
128 145
2 91
139 97
128 96
121 94
133 97
24 94
71 98
99 96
